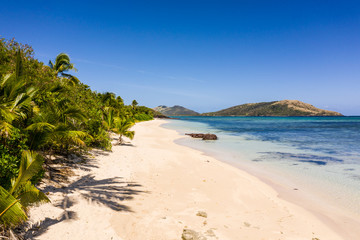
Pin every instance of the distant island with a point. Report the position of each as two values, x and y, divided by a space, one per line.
274 108
175 111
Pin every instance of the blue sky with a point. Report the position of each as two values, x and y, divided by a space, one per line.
204 55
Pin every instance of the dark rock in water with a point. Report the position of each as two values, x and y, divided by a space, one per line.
189 234
206 136
210 137
195 135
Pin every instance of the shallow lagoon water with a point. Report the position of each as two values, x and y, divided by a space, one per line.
317 153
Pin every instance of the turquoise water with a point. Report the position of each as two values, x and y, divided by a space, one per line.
317 153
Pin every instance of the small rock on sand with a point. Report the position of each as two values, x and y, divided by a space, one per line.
210 233
189 234
202 214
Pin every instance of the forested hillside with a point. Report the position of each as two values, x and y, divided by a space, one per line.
275 108
175 111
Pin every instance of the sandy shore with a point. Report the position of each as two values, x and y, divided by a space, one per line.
154 188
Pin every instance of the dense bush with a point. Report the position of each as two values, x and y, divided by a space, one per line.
10 156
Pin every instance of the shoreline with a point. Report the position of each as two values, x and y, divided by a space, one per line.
153 188
269 192
339 218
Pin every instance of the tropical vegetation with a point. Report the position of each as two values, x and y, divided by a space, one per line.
45 111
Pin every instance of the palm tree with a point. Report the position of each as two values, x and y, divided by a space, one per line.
122 126
57 128
108 118
108 99
22 193
134 103
120 101
62 65
15 98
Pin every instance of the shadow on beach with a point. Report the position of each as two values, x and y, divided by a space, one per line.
109 192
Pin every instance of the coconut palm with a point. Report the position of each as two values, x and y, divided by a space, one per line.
57 127
108 98
134 103
108 118
122 126
62 65
120 101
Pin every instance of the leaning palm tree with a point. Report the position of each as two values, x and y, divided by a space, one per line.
122 126
22 193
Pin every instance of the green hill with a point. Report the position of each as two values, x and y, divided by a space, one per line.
175 111
275 108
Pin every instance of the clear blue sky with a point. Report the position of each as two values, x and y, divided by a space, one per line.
204 55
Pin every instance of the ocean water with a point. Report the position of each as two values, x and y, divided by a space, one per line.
320 154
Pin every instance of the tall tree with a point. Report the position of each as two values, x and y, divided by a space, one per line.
62 65
134 103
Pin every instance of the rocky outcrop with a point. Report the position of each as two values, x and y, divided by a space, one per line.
204 136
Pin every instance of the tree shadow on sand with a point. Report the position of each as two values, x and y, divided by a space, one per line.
109 192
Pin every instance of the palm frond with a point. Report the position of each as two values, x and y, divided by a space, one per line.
62 63
7 115
75 113
5 129
30 195
11 211
129 134
51 65
4 80
40 127
57 87
31 164
63 135
72 80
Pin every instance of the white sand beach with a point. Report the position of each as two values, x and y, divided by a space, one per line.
153 189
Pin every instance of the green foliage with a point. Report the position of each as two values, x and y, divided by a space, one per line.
11 211
142 117
10 155
122 127
134 103
44 110
22 193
